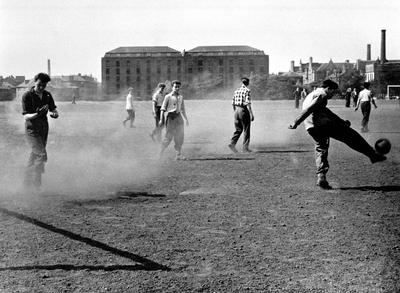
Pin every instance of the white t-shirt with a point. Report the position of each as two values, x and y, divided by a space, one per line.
129 102
364 95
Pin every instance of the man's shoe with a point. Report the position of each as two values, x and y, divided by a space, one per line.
247 151
180 158
323 183
232 147
377 158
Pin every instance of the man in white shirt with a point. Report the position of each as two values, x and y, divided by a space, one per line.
129 108
157 101
172 111
322 124
365 99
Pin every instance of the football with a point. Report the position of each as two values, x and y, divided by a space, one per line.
383 146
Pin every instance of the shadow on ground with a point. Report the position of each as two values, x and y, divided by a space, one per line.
373 188
145 263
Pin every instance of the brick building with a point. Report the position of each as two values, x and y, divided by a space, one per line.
205 66
384 73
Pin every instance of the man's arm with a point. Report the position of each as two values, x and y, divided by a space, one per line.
184 113
373 101
336 118
358 103
250 111
306 112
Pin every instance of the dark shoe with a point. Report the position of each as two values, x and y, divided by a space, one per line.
323 183
232 147
377 158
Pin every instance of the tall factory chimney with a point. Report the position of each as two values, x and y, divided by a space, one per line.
292 66
48 67
368 52
383 46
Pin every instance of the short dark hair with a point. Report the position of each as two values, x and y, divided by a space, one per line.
367 84
176 82
44 77
245 80
161 85
330 84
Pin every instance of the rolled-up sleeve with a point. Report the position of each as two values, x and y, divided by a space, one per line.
165 104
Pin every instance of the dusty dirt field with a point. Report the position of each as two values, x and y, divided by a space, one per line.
114 218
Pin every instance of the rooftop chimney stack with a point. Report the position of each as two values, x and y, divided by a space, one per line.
368 52
383 46
48 67
292 66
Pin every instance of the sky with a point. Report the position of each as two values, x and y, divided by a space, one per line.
76 34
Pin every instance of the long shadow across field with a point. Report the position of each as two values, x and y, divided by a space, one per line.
144 263
373 188
67 267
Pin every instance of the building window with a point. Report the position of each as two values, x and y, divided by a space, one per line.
241 62
251 62
118 86
231 69
231 62
138 78
117 78
137 70
221 70
117 63
107 77
117 70
128 71
262 69
128 79
190 67
107 63
107 70
220 62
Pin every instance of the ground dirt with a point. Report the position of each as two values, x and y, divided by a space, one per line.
114 217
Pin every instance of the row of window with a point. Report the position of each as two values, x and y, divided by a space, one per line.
199 62
190 70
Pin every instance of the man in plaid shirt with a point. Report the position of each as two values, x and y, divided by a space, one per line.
243 116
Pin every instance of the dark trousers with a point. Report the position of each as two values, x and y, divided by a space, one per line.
174 131
157 128
130 117
345 134
296 102
37 139
366 111
242 124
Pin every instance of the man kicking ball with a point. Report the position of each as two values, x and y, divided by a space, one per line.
322 124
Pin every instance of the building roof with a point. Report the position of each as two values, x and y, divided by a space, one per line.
143 49
207 49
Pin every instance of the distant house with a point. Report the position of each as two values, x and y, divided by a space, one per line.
7 91
64 88
59 91
313 72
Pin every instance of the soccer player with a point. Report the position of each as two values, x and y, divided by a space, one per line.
322 124
35 105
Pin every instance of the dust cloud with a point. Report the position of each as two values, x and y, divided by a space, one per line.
90 153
